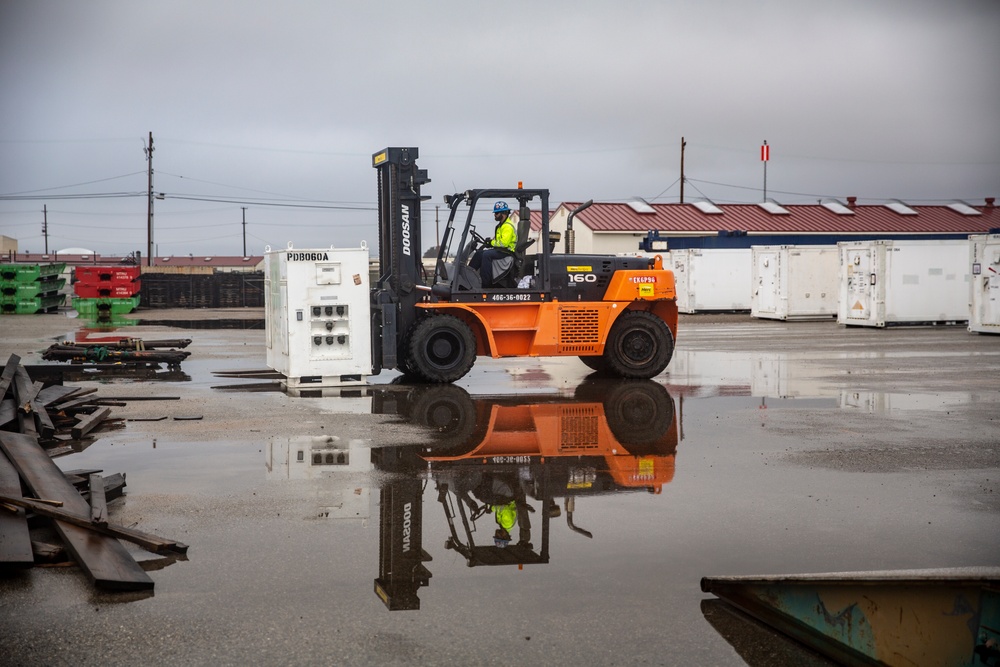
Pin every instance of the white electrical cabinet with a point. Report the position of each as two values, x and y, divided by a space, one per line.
984 257
903 282
711 279
794 282
318 317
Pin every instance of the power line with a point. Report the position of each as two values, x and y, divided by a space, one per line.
263 202
235 187
93 195
74 185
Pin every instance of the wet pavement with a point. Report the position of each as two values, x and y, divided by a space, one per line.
359 526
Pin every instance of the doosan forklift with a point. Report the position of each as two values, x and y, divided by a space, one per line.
618 314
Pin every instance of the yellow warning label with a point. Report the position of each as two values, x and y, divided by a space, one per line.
857 306
574 269
646 467
646 290
380 158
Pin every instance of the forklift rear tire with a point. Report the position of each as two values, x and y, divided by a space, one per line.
639 345
441 348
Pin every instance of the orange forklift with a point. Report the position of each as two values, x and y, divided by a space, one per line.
618 314
612 436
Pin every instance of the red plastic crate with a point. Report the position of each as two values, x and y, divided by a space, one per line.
115 274
106 288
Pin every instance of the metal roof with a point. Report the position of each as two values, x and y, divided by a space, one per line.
801 219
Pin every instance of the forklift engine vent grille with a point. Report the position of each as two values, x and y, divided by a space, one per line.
578 330
579 429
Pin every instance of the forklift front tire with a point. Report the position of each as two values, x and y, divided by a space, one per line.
441 348
639 346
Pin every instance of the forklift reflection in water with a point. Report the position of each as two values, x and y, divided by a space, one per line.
507 462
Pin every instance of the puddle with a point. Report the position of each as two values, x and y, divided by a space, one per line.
499 472
615 498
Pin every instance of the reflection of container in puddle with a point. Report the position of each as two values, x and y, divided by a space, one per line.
329 462
881 402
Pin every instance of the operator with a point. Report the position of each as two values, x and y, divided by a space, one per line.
506 517
501 494
496 259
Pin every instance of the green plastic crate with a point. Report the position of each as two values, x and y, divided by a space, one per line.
12 288
89 307
29 273
15 306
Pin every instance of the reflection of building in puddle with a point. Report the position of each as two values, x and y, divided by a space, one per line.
334 469
700 374
706 374
504 467
881 402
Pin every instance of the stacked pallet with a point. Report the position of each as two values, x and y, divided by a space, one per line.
30 288
106 290
49 515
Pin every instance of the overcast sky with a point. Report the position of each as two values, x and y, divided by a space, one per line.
284 102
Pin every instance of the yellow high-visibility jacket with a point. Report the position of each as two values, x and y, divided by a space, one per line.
505 235
506 515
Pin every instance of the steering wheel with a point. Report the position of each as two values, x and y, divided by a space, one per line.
479 240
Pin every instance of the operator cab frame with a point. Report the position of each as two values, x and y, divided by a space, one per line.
455 281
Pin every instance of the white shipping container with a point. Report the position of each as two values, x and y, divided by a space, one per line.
903 282
984 258
794 282
317 315
711 279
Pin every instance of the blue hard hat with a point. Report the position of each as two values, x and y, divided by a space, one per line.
501 207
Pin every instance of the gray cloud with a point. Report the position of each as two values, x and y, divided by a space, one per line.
895 98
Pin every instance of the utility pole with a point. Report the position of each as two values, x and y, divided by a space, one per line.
45 226
244 230
148 150
683 144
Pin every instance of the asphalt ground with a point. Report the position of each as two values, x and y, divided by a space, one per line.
799 447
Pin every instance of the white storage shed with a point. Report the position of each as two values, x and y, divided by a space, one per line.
794 282
903 282
984 300
712 279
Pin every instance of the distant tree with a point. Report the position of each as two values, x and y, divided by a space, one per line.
432 252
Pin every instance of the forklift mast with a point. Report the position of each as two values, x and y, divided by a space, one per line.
395 294
401 556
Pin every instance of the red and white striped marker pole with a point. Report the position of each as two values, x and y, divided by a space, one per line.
765 155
